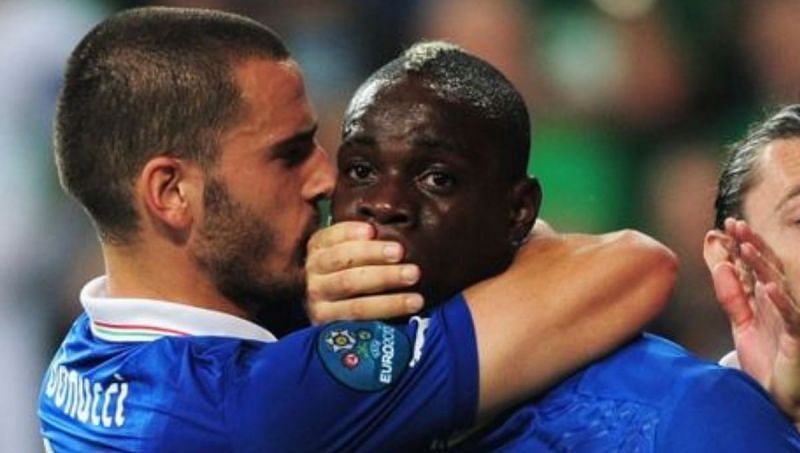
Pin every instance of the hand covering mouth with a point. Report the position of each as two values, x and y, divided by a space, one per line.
389 233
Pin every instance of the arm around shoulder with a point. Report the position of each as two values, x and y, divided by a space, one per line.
565 300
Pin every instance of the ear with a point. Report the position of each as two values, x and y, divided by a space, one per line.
170 189
526 198
716 248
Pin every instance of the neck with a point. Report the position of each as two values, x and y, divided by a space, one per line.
162 272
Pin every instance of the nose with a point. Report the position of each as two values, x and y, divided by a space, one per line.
320 182
386 204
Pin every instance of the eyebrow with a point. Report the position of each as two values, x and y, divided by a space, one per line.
302 136
359 139
793 192
422 141
426 141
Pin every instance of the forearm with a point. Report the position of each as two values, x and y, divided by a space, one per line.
565 301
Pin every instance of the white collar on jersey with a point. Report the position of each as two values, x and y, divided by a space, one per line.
125 320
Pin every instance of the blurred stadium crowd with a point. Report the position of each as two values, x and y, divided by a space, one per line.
633 103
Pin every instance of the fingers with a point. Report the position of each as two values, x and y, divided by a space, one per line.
344 262
367 308
786 306
767 268
730 227
731 294
341 295
745 234
338 233
764 270
361 280
776 318
773 283
338 256
346 269
754 257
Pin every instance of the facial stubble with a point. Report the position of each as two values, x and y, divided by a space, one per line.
233 247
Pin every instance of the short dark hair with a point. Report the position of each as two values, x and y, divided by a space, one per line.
739 171
148 82
460 77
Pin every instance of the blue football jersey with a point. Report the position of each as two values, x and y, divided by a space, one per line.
650 396
143 375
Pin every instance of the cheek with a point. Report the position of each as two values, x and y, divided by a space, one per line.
792 274
343 205
448 223
785 243
458 214
440 219
431 220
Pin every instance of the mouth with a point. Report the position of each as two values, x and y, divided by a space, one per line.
312 226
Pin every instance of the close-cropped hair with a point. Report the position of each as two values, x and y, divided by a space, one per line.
144 83
740 169
461 78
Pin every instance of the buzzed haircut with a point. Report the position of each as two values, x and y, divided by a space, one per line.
144 83
739 171
459 77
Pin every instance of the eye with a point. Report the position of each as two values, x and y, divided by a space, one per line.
360 172
296 155
438 181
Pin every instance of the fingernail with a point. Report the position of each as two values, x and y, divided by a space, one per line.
414 302
410 274
392 251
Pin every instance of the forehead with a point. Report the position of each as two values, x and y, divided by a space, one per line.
411 100
274 103
409 110
780 163
777 179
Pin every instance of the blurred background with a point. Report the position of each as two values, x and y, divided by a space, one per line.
633 103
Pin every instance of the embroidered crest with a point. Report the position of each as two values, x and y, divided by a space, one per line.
366 356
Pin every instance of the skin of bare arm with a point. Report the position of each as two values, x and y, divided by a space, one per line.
566 300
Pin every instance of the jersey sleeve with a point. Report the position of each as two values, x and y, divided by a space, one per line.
727 411
357 385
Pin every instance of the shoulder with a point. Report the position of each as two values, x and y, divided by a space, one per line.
651 393
702 406
650 370
95 388
723 409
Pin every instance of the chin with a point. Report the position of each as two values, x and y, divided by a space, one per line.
435 296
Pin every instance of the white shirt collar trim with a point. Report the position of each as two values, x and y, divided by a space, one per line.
128 319
731 360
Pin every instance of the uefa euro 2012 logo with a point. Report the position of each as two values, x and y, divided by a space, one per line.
344 340
364 355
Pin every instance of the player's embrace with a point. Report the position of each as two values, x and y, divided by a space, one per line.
188 138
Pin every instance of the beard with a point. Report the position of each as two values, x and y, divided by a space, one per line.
233 245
